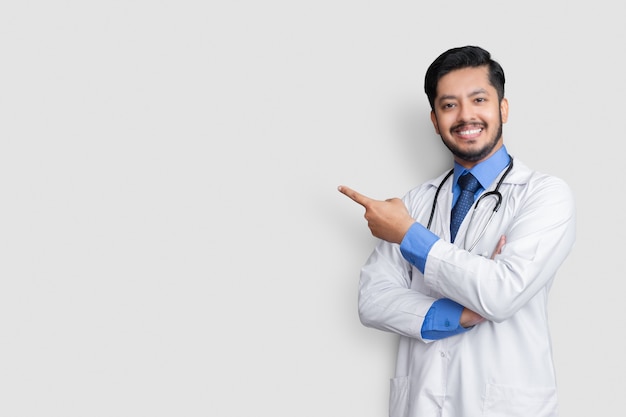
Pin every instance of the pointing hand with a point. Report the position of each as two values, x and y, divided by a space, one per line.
388 220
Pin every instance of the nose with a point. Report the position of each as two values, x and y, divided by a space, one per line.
466 112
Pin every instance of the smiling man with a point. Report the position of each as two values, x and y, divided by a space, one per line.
468 115
468 294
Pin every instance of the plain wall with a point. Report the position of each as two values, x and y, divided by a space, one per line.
172 242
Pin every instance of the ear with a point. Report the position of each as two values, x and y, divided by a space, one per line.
433 118
504 110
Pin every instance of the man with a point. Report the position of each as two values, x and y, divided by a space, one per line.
469 304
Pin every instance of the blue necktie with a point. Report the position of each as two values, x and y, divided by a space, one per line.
469 184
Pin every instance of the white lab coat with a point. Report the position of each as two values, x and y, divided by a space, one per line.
503 366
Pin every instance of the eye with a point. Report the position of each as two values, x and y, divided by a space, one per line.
480 99
447 106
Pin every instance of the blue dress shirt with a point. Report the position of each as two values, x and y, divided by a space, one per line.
443 317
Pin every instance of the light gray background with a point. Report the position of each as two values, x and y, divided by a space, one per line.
171 239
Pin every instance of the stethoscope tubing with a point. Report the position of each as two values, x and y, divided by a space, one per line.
495 193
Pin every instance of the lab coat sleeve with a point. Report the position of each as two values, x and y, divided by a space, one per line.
386 301
539 236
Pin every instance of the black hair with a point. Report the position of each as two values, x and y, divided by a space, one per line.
458 58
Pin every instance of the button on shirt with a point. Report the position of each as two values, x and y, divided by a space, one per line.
443 317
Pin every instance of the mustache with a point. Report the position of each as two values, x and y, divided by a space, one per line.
470 125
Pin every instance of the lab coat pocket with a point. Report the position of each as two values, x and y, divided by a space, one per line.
399 397
501 400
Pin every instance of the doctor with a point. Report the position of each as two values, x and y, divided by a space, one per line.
470 306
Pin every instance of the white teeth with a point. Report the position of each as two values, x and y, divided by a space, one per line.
470 132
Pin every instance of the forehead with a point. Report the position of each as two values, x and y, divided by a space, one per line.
465 81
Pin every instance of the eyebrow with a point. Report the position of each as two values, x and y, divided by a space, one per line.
473 93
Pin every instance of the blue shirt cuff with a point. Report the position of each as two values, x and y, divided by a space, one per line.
443 320
416 244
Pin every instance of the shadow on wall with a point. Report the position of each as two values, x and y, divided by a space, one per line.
424 155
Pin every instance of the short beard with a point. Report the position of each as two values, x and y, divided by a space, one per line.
479 154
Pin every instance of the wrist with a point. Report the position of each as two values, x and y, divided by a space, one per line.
404 229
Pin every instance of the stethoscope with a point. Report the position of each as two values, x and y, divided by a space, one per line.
495 193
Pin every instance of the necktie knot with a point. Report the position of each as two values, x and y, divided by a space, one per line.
469 182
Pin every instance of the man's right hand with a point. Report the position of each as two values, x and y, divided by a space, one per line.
388 220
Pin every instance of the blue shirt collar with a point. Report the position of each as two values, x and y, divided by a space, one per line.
487 171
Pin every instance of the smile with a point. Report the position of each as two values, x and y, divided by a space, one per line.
470 132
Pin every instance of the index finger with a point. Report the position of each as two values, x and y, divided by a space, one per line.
354 195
